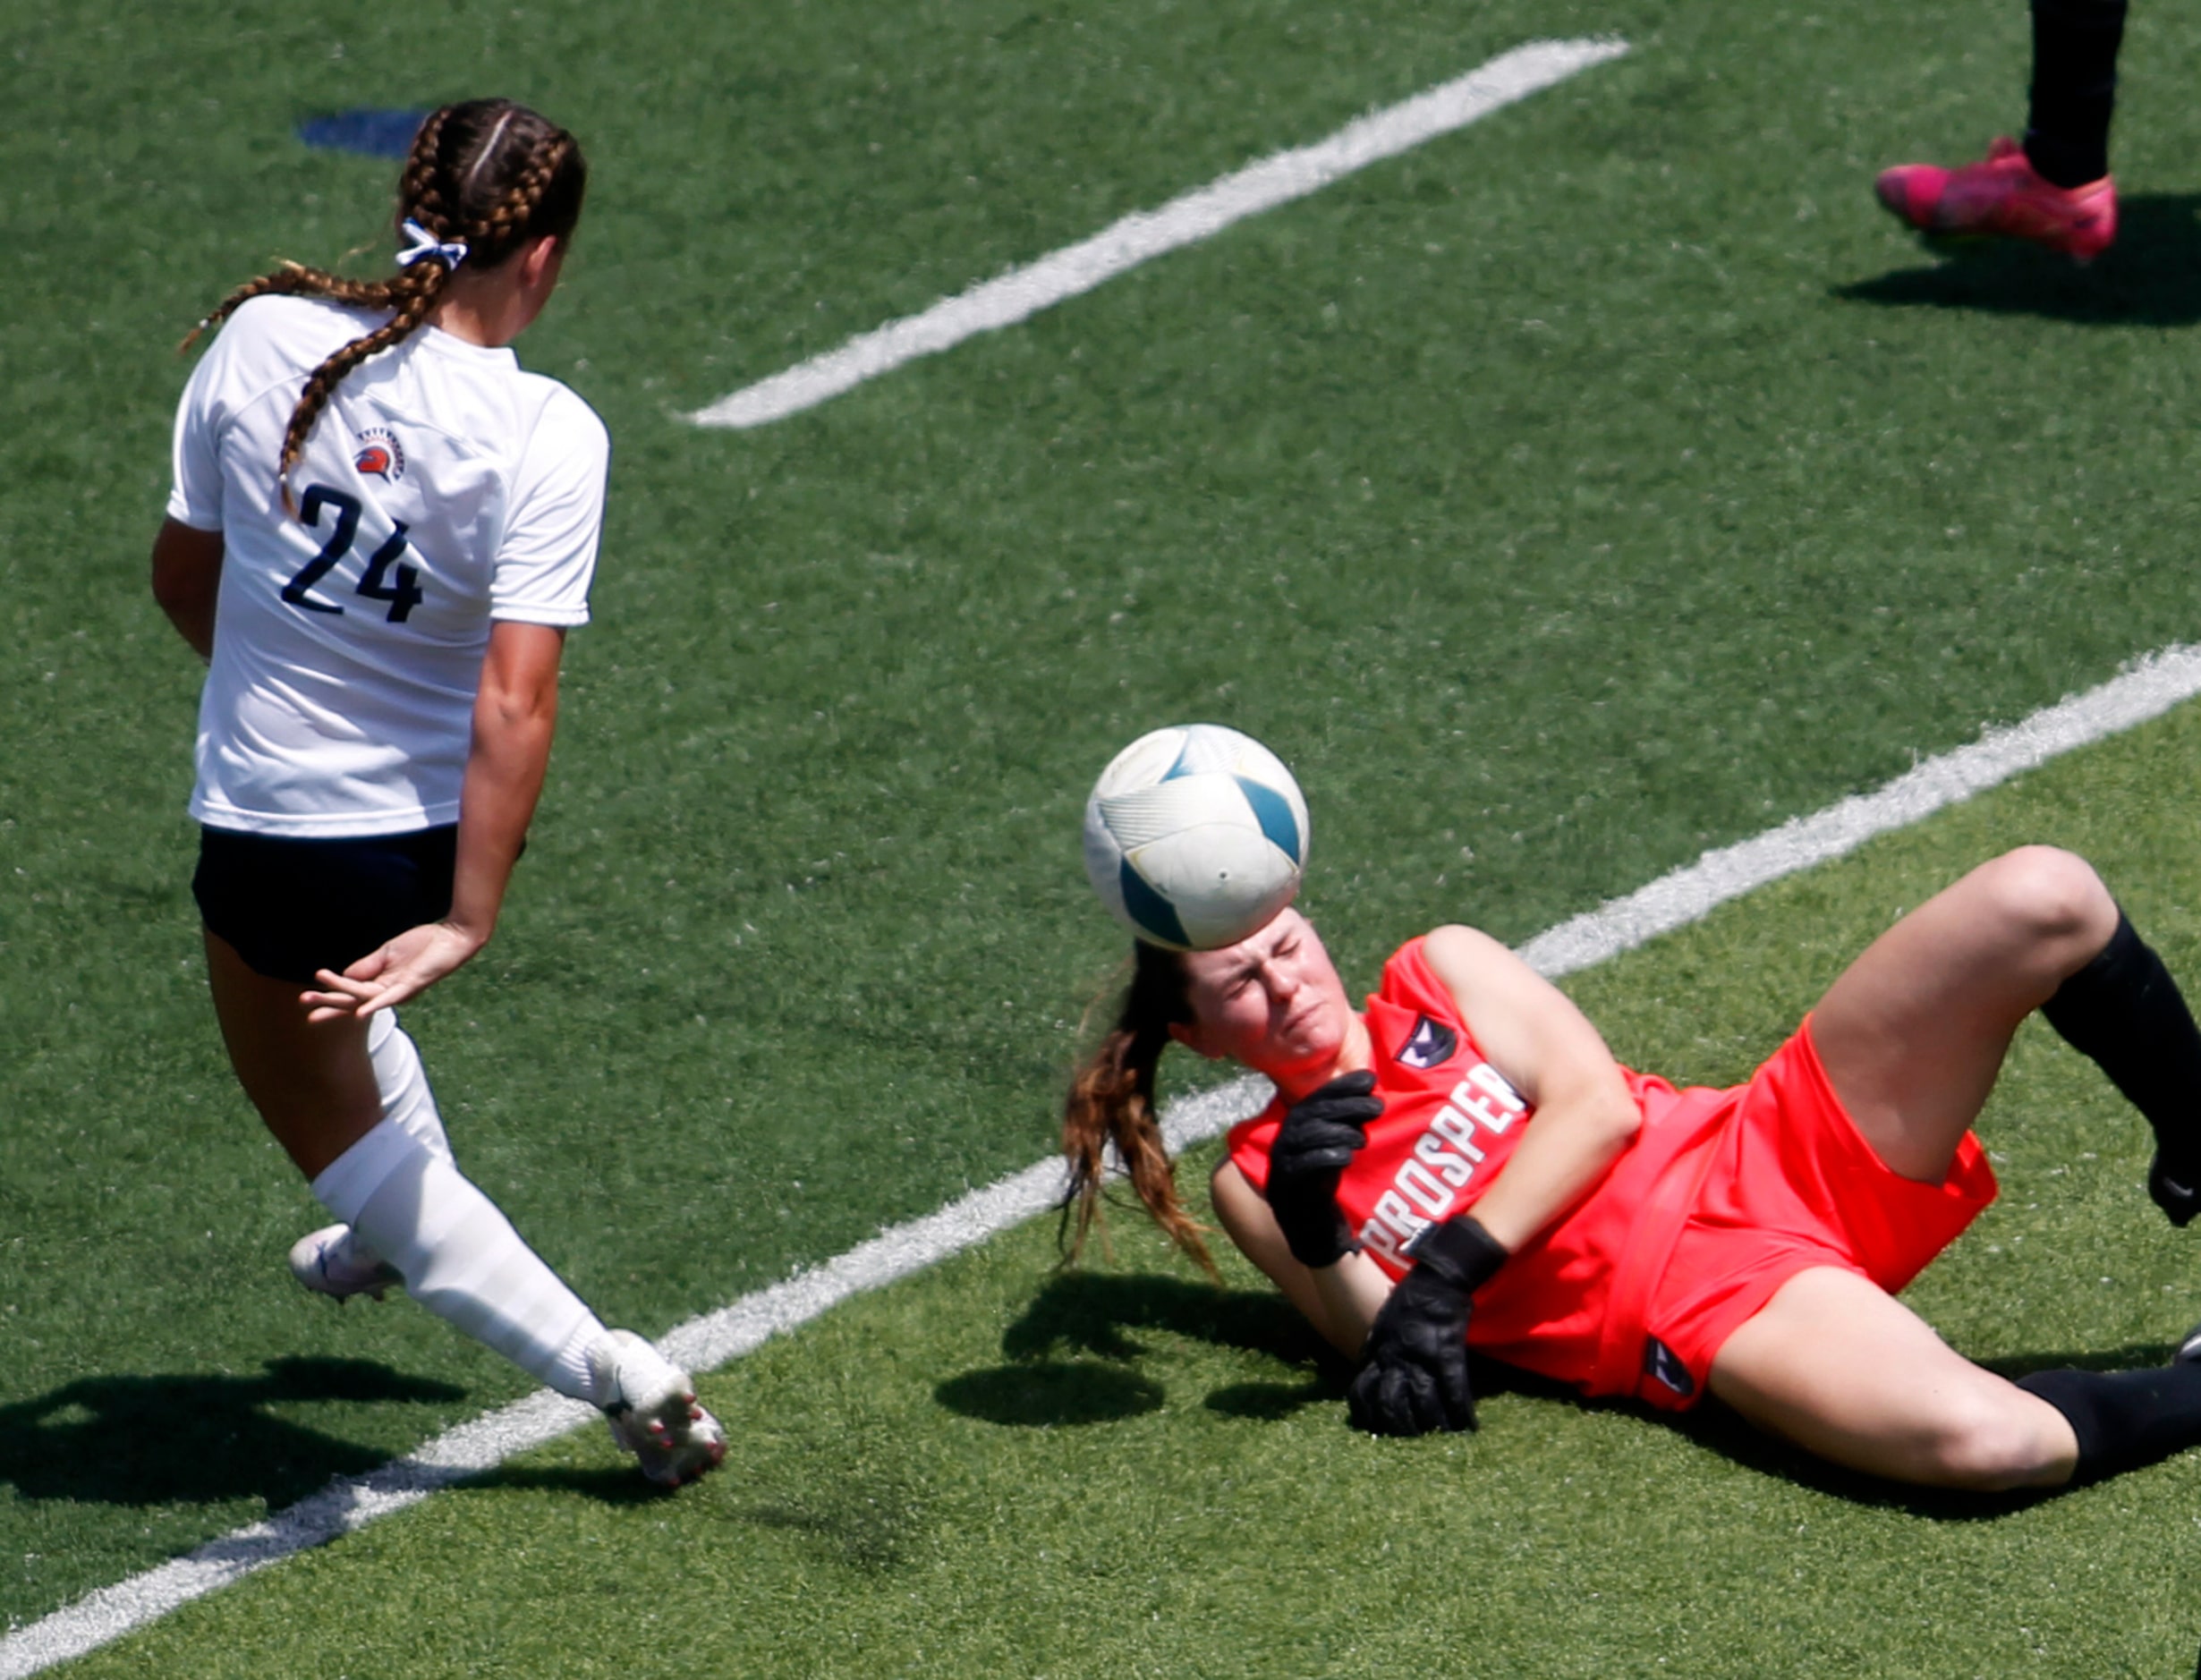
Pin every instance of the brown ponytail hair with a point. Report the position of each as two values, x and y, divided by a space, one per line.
1111 1100
488 174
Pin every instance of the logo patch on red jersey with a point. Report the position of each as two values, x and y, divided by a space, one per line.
1430 1043
1660 1362
379 455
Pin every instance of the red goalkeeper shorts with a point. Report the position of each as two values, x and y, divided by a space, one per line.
1788 1184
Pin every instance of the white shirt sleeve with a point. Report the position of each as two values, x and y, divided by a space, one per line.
195 496
556 518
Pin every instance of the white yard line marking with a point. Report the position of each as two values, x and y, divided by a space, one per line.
1191 216
2151 688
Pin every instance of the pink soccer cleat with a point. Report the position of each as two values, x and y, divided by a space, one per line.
2002 197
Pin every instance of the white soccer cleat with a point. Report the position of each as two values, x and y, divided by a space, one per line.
653 1411
333 1262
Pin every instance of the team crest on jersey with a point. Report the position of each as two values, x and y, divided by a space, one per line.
1430 1043
380 455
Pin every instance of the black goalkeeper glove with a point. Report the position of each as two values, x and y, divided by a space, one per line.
1320 1134
1413 1375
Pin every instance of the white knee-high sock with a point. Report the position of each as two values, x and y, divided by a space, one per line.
403 1081
459 1255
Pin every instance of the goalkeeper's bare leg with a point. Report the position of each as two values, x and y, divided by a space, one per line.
1912 1036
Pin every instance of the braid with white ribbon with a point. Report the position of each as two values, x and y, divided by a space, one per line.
425 244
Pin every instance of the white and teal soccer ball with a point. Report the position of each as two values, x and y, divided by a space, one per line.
1196 837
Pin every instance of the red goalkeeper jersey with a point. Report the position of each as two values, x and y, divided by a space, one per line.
1719 1197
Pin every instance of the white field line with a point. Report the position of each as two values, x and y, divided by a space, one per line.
2152 687
1194 216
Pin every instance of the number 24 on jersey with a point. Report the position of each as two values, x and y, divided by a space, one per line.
385 578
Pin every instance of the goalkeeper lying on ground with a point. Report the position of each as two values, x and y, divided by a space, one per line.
1465 1164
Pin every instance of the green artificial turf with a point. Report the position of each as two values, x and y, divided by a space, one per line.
998 1467
1603 482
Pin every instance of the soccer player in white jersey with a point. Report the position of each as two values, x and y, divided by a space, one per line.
381 530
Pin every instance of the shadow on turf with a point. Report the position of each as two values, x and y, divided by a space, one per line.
1089 1318
203 1439
610 1484
2151 278
869 1519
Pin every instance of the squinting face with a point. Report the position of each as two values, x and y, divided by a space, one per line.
1272 1001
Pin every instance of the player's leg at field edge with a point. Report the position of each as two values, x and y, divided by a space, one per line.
315 1087
1912 1036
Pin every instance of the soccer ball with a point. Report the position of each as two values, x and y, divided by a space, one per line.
1194 836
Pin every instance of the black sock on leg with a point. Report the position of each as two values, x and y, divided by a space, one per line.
2125 1012
2075 45
2124 1419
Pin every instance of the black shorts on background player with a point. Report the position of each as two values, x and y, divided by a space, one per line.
292 906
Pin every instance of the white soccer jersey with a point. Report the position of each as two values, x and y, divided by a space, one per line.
442 488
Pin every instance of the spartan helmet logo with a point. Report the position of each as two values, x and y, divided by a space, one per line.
379 455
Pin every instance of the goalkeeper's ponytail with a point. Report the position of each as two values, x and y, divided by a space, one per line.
1112 1101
